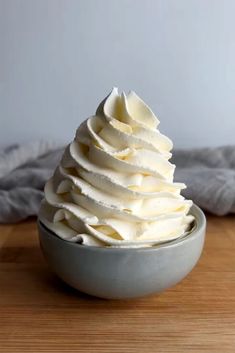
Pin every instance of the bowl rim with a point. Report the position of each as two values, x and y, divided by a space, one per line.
200 225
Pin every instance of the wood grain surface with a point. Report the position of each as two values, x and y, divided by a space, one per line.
38 313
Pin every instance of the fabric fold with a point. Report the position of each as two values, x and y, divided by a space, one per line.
209 174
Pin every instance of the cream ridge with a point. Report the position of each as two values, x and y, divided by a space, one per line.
114 185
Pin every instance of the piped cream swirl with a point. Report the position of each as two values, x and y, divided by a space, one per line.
114 185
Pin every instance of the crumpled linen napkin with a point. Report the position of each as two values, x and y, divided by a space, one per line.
209 174
24 170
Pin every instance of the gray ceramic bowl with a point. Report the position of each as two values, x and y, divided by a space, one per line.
124 273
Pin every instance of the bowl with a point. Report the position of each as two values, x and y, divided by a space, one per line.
115 273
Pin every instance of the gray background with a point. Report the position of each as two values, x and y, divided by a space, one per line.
59 58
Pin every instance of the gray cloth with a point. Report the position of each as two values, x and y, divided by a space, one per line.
208 173
24 170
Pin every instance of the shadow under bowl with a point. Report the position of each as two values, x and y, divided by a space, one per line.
115 273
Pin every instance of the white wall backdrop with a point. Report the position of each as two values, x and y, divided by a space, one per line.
59 58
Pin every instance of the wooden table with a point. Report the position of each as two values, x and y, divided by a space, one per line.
38 313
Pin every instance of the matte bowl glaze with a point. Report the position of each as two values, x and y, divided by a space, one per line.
124 273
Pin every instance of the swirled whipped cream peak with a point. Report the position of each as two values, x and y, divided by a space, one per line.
114 185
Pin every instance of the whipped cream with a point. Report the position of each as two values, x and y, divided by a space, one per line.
114 185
